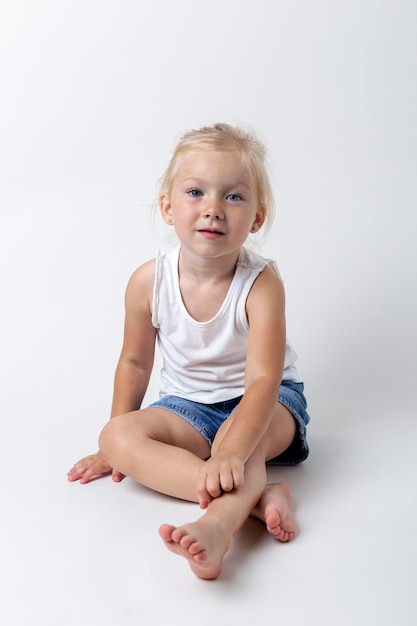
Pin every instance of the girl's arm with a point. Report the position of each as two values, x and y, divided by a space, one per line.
264 366
134 366
137 355
263 375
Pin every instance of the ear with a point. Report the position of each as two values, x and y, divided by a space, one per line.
165 208
259 219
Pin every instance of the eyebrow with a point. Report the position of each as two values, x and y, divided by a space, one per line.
233 183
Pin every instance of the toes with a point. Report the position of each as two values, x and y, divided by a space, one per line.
177 535
197 551
184 540
189 543
200 557
165 532
280 533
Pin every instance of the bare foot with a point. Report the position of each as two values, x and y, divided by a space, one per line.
274 508
202 543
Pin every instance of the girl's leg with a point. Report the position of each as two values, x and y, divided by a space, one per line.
156 448
274 505
205 542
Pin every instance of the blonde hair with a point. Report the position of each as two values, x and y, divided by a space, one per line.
245 143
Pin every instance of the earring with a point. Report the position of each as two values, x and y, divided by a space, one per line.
254 228
169 220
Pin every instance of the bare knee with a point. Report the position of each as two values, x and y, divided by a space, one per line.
106 439
113 441
125 439
281 432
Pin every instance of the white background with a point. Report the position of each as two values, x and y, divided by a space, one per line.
93 97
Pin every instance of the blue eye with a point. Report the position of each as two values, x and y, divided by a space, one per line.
194 193
234 197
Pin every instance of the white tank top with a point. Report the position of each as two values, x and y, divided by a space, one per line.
205 361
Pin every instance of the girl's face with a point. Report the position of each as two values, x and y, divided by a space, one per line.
213 203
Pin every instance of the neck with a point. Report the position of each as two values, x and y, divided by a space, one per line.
200 268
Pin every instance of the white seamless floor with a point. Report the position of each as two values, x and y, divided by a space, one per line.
91 554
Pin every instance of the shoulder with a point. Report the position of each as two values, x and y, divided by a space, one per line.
268 280
255 263
143 275
140 285
267 293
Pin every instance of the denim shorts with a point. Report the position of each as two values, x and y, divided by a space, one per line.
207 418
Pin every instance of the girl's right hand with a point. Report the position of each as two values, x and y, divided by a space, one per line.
91 467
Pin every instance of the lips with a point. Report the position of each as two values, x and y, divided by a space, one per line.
210 233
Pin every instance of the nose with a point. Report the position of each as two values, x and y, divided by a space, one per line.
213 209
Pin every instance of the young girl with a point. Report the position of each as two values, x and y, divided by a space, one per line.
231 398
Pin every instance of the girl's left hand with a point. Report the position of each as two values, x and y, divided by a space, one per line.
223 472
